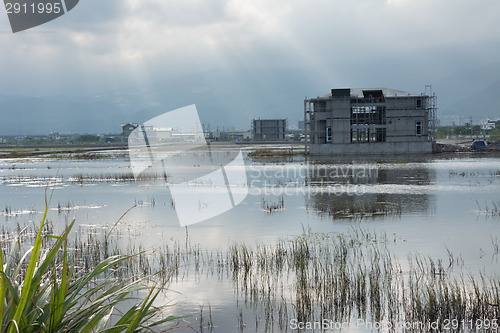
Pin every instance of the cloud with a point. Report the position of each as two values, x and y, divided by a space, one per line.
112 41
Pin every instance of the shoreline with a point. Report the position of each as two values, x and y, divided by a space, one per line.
257 150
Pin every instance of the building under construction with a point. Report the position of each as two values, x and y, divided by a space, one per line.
370 121
268 129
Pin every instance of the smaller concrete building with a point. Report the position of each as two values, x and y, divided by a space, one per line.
268 129
54 136
127 128
369 121
491 124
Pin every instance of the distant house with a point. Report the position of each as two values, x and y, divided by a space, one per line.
54 136
301 125
127 128
369 121
159 135
491 124
268 129
233 135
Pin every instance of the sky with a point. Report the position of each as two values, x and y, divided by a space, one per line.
103 45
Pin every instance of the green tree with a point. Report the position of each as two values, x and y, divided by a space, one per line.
88 138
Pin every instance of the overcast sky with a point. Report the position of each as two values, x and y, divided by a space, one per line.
105 44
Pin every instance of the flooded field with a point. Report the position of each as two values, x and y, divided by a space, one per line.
379 244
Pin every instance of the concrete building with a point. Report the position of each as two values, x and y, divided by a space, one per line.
369 121
301 126
54 136
127 128
491 124
231 135
268 129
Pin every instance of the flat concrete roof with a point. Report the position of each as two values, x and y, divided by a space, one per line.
388 92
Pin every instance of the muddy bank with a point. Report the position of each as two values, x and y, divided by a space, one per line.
84 152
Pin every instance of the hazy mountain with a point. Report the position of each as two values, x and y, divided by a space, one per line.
458 93
481 103
228 99
232 99
30 115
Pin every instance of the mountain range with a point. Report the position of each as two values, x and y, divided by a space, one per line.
224 100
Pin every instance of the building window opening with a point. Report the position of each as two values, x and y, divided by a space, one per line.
419 103
380 134
328 134
368 115
363 135
373 136
418 126
360 135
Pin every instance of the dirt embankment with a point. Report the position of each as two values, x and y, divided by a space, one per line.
493 146
443 147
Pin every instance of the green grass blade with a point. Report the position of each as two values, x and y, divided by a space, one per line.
59 294
39 293
45 264
2 286
140 314
29 272
104 321
144 312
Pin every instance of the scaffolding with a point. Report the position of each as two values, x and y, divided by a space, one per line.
431 108
308 114
368 109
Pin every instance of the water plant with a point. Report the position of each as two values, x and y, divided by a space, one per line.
41 290
355 208
494 210
351 277
344 277
266 153
269 206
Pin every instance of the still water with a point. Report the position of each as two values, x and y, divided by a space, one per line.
436 205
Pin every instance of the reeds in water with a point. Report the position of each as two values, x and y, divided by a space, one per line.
270 207
352 208
47 288
307 278
350 277
493 210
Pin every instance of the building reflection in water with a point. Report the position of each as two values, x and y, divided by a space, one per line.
357 188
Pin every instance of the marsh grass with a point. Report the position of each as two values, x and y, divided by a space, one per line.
342 277
492 209
355 208
95 178
47 288
265 153
270 206
346 277
82 179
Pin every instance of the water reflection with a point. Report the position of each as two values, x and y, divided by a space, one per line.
370 189
433 202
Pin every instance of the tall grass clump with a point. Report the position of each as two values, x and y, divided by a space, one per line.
347 277
494 210
351 208
272 206
41 291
